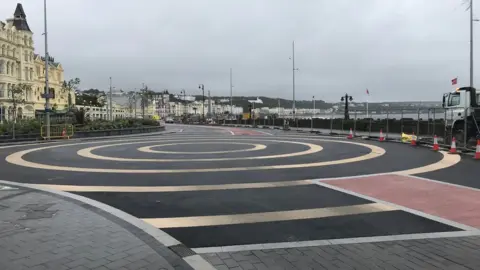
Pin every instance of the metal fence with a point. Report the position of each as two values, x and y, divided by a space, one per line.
425 123
57 131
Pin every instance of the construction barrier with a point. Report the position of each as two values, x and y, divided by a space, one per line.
57 131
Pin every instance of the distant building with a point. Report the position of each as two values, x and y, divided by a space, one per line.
19 64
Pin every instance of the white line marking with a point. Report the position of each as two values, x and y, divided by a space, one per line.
71 188
183 222
231 132
328 242
399 207
443 183
264 132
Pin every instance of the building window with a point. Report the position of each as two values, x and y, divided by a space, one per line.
14 53
31 74
26 56
3 49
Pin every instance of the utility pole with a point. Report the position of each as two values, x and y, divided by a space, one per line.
135 104
47 89
231 93
313 113
209 111
201 86
110 111
471 43
293 80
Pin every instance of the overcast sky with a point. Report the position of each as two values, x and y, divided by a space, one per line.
398 49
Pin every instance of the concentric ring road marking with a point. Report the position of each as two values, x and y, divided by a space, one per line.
148 149
447 161
17 159
87 152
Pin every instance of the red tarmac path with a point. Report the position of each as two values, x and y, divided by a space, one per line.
455 203
239 131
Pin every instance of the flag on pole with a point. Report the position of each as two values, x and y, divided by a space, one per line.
454 81
368 93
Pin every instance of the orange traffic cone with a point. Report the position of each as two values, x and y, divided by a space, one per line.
453 148
477 151
414 140
435 143
350 135
382 137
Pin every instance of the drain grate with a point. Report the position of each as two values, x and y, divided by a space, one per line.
38 215
182 250
35 207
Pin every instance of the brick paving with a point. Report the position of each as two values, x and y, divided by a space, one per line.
440 253
39 231
454 203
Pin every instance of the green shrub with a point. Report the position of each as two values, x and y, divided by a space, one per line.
32 126
117 124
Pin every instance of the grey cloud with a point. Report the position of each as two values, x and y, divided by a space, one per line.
399 49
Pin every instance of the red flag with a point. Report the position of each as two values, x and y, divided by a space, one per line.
368 93
454 81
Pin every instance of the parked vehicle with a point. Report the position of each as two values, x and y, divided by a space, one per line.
462 114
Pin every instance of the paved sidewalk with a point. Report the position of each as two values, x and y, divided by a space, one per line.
441 253
44 231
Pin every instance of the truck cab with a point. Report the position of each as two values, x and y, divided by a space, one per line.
462 113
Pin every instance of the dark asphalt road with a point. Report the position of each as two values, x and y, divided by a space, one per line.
241 201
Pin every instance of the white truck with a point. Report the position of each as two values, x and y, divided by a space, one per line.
462 115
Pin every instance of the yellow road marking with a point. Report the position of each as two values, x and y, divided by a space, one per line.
17 159
148 149
183 222
447 161
87 152
73 188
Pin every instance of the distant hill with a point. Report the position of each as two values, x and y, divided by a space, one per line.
307 104
242 101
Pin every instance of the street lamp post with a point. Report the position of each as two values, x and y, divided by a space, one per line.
231 92
110 111
313 113
346 98
201 86
293 80
471 43
184 103
47 91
